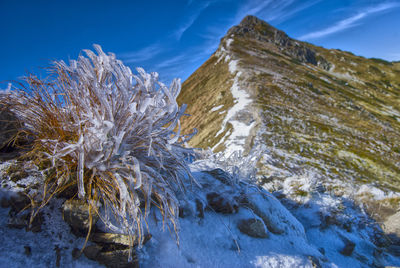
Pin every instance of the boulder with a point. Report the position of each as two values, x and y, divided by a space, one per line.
253 227
76 214
220 175
111 257
117 239
348 248
391 226
221 203
272 225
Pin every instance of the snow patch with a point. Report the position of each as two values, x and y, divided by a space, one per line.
214 109
233 66
240 130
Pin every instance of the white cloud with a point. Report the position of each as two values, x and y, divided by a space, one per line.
271 10
349 22
189 22
143 54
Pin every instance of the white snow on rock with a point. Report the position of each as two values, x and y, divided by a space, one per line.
235 141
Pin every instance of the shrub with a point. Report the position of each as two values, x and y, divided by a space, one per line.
113 134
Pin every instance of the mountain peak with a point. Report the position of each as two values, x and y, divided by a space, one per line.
255 27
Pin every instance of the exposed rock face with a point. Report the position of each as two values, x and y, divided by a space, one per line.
254 28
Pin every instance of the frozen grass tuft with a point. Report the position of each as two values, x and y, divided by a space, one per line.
112 134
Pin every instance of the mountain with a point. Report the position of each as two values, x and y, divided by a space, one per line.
307 108
322 125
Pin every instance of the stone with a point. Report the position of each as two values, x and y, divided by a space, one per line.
21 221
392 225
117 239
348 248
5 202
253 227
220 175
27 251
76 214
394 250
271 225
199 209
315 262
221 204
76 253
19 202
118 259
115 258
91 251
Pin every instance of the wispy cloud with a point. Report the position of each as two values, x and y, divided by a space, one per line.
189 21
290 11
143 54
271 10
349 22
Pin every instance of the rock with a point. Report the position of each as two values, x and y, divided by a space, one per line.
58 256
253 228
76 214
394 250
36 225
271 225
92 251
221 203
348 248
199 208
220 175
117 239
76 253
253 27
315 262
19 202
19 215
5 202
391 225
20 221
117 258
27 251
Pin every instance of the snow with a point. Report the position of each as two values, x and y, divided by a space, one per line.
240 130
229 42
216 108
215 240
233 66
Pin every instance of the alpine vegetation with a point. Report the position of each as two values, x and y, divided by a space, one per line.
110 134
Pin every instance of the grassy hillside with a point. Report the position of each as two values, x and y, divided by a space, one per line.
326 109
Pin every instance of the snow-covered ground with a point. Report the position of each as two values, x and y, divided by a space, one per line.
312 231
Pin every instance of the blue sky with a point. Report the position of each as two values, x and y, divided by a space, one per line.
175 37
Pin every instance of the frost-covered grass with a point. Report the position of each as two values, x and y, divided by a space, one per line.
111 134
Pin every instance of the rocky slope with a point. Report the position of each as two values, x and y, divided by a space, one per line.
312 112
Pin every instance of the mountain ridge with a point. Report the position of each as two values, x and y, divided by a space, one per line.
306 108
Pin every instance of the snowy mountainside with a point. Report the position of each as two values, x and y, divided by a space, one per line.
324 114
